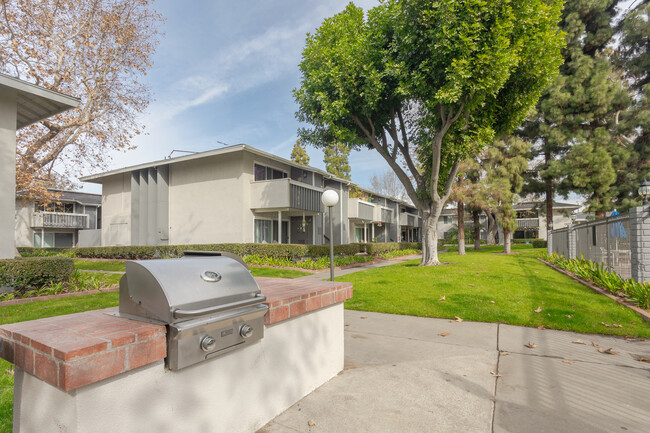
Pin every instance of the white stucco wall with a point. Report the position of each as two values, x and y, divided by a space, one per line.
23 232
116 210
206 200
239 392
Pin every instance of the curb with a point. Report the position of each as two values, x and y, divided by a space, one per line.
62 295
643 313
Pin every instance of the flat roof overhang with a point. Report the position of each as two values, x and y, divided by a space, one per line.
36 103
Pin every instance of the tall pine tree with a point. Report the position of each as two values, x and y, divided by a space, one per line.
573 127
299 154
336 160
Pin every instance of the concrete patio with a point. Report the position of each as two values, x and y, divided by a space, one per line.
401 375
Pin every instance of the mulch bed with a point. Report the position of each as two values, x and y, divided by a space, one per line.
645 314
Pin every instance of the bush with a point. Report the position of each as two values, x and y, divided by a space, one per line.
377 249
35 272
539 243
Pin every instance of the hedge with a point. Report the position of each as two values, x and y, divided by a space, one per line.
539 243
31 272
288 251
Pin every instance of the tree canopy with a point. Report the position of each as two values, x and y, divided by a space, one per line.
427 84
96 50
299 154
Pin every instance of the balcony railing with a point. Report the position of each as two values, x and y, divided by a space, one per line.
359 209
409 220
60 220
285 193
527 223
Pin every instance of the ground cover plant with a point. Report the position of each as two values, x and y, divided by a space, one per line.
602 276
483 286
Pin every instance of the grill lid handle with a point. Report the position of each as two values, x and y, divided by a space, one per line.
184 314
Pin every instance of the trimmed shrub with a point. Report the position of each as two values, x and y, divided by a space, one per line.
35 272
539 243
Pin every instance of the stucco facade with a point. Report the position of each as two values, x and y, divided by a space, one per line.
241 194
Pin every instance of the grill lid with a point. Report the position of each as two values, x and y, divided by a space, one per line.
173 290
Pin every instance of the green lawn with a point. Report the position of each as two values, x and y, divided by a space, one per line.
99 265
488 287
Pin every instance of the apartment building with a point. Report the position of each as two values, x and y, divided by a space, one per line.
531 218
242 194
71 219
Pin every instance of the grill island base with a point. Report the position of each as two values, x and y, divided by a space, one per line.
93 372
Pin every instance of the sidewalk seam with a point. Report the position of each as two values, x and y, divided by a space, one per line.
496 382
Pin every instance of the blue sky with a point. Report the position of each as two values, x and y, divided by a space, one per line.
224 72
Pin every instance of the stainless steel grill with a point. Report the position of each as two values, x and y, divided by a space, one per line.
210 303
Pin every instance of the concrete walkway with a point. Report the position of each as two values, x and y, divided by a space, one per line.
325 275
402 375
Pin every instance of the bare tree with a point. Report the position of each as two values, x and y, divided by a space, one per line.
388 184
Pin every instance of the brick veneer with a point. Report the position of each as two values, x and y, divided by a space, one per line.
79 349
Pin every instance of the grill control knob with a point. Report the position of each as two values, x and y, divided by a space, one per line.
246 331
208 343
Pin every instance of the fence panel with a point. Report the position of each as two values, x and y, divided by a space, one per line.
604 241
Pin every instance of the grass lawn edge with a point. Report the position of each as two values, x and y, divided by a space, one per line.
643 313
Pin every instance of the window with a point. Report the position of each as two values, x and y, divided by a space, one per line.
268 173
55 207
51 240
263 231
446 219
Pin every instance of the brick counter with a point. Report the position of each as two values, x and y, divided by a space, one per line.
75 350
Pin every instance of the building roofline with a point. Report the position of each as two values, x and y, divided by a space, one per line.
96 178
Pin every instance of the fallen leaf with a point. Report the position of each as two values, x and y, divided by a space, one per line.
471 285
443 334
530 345
539 310
311 423
363 317
458 319
442 298
491 302
615 325
10 371
504 353
548 314
608 351
570 316
638 359
603 323
347 324
541 327
495 374
566 361
578 341
594 344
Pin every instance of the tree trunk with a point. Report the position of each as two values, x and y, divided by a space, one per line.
430 238
461 228
477 229
506 241
492 228
549 196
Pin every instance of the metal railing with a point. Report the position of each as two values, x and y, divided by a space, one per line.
604 241
528 223
60 220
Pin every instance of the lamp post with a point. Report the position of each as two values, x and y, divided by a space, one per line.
644 191
330 198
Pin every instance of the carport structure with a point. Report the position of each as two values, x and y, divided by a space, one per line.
21 104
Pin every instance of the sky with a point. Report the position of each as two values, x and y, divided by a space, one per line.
224 72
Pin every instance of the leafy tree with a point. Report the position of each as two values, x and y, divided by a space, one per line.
574 126
466 192
299 154
96 50
388 184
427 84
505 163
336 158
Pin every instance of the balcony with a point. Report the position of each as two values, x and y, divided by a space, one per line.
359 209
59 220
285 194
527 223
409 220
382 214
